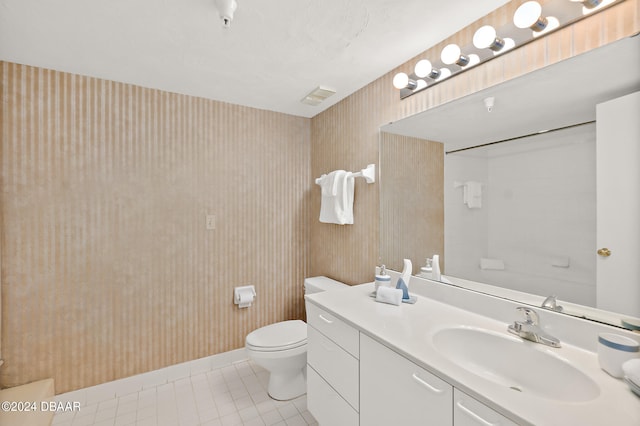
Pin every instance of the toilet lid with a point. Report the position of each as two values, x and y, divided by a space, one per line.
279 336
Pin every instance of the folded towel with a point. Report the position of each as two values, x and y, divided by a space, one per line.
348 185
393 296
631 369
472 194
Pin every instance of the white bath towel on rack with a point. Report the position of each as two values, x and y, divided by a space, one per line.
336 205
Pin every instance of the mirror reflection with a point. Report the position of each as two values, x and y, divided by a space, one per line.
539 182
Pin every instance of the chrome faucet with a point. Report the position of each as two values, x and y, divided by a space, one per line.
529 329
551 303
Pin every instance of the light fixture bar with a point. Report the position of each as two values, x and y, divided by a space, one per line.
530 21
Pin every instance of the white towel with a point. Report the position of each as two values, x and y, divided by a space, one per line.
348 185
472 194
392 296
631 370
336 205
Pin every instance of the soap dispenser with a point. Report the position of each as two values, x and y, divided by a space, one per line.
436 268
427 270
383 279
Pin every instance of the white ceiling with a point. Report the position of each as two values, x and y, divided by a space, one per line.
273 55
559 95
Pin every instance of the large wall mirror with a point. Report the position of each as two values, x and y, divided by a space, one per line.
534 196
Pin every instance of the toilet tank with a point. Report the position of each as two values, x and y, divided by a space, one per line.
318 284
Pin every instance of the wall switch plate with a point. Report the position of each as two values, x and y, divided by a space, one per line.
211 222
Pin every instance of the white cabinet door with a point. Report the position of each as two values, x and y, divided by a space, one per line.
618 186
469 412
396 392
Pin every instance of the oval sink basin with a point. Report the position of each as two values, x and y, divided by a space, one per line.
508 361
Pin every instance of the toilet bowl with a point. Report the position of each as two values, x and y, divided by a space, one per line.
281 348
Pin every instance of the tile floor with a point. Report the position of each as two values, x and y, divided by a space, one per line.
232 395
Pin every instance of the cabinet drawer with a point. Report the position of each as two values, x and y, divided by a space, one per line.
334 364
324 403
335 329
469 412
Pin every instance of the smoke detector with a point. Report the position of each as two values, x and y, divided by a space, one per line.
226 8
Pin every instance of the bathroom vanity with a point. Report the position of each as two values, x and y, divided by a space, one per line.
453 363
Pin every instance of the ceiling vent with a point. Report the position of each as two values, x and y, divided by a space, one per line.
316 96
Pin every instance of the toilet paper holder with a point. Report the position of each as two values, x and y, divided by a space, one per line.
243 296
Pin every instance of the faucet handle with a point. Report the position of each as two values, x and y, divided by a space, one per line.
551 303
530 316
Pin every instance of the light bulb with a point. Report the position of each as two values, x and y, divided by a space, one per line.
474 59
423 68
529 15
402 81
420 84
451 54
486 38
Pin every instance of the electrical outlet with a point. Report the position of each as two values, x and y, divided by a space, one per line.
211 222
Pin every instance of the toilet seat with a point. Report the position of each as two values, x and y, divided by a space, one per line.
280 336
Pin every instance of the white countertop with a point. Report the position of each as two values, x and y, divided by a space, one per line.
407 329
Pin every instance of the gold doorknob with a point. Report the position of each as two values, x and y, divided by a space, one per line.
604 252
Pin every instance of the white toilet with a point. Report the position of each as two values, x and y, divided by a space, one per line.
281 348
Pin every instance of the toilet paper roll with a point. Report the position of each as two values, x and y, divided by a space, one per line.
245 298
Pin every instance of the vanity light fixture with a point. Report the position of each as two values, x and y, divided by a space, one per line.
452 54
490 41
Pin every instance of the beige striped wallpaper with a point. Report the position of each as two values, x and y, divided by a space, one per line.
346 135
412 204
107 268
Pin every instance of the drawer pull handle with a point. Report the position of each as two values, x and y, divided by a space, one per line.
474 416
426 385
325 320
